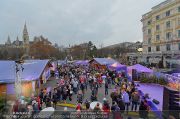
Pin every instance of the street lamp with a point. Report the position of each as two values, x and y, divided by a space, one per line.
140 50
18 71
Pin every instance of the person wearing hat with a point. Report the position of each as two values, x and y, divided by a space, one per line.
106 108
78 107
106 88
87 103
97 108
65 114
35 107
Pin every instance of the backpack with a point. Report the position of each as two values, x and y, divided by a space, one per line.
82 86
79 98
135 97
106 85
117 108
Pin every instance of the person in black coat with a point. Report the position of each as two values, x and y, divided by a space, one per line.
55 99
48 102
121 105
143 110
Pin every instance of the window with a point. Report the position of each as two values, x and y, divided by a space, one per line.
149 40
149 49
149 22
168 24
158 48
178 33
157 27
168 47
179 9
168 36
168 13
179 46
157 37
178 21
149 31
157 17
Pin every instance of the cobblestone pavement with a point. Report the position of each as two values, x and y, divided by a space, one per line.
101 94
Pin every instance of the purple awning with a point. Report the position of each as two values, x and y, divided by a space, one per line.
140 68
117 66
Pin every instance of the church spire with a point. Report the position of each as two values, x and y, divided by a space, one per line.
8 42
26 40
17 41
25 35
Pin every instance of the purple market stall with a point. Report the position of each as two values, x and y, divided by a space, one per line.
163 101
34 71
82 62
135 71
155 92
140 68
118 67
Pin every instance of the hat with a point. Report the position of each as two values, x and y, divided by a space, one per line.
65 108
33 102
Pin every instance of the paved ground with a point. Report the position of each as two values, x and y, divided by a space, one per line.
101 94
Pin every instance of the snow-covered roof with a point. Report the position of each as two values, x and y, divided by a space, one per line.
32 70
105 61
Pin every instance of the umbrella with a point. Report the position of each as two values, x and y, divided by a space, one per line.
93 105
47 112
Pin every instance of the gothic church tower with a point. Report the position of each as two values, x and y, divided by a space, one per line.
26 40
25 36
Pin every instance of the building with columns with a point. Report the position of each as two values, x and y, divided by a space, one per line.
161 33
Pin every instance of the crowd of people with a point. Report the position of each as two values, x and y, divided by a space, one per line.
76 80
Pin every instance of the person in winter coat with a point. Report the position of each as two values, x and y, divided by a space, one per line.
125 98
143 110
114 96
64 94
48 102
55 99
75 86
80 97
106 88
135 100
121 105
93 97
66 114
39 103
35 107
115 111
106 108
87 103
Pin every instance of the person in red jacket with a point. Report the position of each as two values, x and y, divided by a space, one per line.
38 100
106 108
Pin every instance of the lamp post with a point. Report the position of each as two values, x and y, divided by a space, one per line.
140 50
18 71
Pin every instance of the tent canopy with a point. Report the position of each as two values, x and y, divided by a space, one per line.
82 62
117 66
104 61
140 68
32 70
61 62
177 70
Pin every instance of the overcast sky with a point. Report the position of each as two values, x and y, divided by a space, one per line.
75 21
